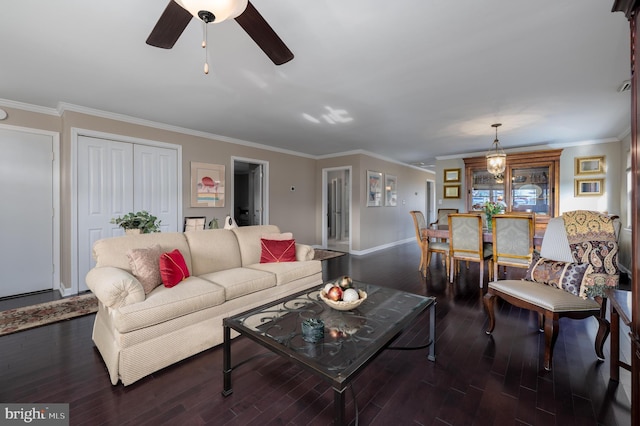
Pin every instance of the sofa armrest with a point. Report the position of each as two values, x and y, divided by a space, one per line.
304 252
114 287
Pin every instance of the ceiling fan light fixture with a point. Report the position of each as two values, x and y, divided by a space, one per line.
496 158
220 9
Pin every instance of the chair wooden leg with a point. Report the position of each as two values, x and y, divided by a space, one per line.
489 302
604 328
540 323
428 258
446 262
481 273
422 255
551 325
452 267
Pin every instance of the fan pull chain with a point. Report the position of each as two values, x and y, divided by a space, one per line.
204 46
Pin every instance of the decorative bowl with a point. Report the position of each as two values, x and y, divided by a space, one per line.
341 305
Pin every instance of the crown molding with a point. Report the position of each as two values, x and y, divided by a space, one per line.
371 154
29 107
532 148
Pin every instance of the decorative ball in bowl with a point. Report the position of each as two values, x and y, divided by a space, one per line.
352 300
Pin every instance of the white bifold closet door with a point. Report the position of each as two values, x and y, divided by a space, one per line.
115 178
26 212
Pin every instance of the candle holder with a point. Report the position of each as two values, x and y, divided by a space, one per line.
312 330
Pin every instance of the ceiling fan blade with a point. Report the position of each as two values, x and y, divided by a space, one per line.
264 36
170 26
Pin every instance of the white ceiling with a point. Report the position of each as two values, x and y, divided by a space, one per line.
410 80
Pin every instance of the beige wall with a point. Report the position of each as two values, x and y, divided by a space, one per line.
376 227
291 211
300 211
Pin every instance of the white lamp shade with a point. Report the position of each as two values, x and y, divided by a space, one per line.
221 9
496 162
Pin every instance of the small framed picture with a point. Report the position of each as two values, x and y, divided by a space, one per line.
374 189
207 185
589 187
390 190
452 191
451 175
590 165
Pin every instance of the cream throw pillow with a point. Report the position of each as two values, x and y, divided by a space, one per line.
145 266
278 237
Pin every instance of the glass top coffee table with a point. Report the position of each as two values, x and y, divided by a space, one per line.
352 339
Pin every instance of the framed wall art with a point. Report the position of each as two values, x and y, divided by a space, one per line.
390 190
451 175
589 187
207 185
452 191
374 189
590 165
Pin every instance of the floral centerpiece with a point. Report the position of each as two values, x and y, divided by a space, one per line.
143 222
490 209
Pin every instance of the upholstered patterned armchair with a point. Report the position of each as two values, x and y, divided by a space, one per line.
577 262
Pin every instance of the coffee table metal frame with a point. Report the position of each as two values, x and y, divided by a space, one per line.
296 307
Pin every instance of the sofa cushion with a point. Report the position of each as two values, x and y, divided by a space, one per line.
278 236
113 251
173 268
213 250
164 304
289 271
563 275
249 241
240 281
145 266
276 251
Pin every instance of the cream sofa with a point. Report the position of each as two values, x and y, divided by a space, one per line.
138 334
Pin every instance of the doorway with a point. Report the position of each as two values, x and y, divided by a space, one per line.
430 202
336 210
250 191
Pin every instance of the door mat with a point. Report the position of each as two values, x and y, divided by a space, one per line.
321 254
19 319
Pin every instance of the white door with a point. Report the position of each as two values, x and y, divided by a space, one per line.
156 184
115 178
105 190
337 208
26 216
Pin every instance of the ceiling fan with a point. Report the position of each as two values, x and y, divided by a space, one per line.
178 14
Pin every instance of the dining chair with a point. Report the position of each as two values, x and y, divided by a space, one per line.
194 223
466 243
442 218
427 248
512 241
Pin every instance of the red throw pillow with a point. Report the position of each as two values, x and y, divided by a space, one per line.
274 251
173 268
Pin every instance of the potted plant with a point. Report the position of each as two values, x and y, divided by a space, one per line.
141 222
492 208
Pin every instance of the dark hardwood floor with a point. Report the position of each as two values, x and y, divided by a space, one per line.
476 379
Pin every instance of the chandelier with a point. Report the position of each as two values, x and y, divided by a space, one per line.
496 158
